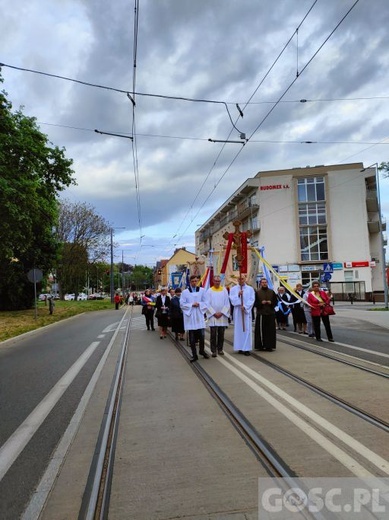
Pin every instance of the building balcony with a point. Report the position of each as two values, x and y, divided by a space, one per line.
373 226
371 200
247 209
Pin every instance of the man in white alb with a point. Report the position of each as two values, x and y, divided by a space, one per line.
242 297
193 307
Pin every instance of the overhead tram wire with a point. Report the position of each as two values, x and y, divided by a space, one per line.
304 68
271 110
241 113
121 91
134 142
189 138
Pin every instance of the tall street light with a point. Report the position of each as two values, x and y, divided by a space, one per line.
111 270
385 285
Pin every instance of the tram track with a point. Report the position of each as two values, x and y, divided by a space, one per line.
342 403
253 439
270 460
95 504
366 416
335 357
97 495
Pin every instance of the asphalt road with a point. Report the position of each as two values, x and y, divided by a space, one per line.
30 368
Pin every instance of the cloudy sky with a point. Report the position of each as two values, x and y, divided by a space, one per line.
195 60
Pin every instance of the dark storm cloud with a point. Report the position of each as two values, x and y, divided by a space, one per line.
219 50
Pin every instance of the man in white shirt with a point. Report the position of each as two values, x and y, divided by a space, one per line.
193 307
218 312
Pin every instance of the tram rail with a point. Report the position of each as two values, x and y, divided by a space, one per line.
95 504
359 412
335 357
97 496
366 416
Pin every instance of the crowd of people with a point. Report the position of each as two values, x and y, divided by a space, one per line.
193 309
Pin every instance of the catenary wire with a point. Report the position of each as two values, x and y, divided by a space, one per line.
230 132
270 111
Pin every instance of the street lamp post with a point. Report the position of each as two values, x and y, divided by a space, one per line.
385 285
111 269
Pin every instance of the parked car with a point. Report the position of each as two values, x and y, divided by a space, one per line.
82 296
69 297
96 296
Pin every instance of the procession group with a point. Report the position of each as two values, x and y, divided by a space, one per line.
195 308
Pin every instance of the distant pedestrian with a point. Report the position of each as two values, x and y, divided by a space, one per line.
265 323
218 312
193 306
117 300
242 297
318 300
51 304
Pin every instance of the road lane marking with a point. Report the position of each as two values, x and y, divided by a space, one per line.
16 443
328 445
45 485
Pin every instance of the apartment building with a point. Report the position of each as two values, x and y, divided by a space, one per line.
318 222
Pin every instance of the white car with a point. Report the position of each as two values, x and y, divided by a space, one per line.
82 296
69 297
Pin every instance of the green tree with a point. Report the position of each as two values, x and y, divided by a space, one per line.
384 167
141 277
32 173
85 239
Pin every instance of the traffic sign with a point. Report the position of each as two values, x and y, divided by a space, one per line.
34 275
328 267
326 277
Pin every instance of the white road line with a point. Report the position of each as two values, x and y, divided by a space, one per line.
12 448
329 446
41 493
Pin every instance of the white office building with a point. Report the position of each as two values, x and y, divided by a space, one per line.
314 222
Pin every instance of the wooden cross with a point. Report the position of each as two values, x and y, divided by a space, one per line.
237 238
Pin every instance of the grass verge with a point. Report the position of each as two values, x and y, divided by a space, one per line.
18 322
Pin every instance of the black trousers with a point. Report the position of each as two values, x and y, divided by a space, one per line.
194 336
217 338
326 323
149 320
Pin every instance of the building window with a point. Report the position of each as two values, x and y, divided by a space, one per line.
308 277
312 219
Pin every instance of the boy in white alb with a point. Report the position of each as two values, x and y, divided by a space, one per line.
218 312
193 307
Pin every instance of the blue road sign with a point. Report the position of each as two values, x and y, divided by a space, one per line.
326 277
328 267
